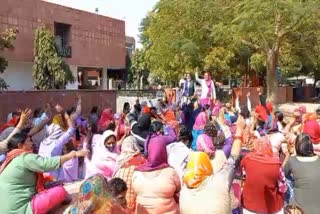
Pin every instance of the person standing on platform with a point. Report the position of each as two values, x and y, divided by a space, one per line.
188 90
208 90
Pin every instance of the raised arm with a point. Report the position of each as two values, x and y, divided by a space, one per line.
25 115
197 78
236 146
237 104
227 173
249 102
38 128
77 113
79 106
64 139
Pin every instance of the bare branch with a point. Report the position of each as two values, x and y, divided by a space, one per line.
277 24
251 45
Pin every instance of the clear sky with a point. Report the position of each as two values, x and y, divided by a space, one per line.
132 11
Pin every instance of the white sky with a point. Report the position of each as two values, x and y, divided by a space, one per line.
132 11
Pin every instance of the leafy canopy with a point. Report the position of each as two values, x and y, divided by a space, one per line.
139 68
182 35
6 42
49 69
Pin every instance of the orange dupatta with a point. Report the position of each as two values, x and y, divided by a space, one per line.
198 169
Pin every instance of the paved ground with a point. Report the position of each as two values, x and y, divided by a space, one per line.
289 108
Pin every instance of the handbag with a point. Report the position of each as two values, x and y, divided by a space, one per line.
293 209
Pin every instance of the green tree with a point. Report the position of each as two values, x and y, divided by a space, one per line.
49 69
6 42
181 35
139 68
220 61
267 27
178 33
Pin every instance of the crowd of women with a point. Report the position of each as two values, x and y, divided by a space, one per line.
196 156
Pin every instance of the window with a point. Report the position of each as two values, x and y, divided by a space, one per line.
63 37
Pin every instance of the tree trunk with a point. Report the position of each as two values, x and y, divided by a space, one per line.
272 82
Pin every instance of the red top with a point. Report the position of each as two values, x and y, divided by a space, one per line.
262 113
260 191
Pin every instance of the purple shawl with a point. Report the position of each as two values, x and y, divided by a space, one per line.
157 157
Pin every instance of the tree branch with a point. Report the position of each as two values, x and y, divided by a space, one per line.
289 27
250 44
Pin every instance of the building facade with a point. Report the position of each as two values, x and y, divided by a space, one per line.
94 46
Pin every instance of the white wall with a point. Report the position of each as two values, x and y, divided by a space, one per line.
18 75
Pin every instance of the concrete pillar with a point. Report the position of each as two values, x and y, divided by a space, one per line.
104 79
110 84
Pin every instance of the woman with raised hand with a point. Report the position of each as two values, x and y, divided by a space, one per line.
58 134
24 117
22 183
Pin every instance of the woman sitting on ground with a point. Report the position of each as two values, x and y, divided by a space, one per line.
264 184
157 134
128 160
205 191
97 195
156 183
304 168
103 154
58 134
22 182
198 127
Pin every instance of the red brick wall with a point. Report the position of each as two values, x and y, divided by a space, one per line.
96 40
11 100
285 95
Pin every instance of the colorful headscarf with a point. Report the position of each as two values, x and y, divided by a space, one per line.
58 120
310 116
105 119
198 169
129 149
312 128
94 198
262 152
11 123
205 141
54 132
300 111
157 157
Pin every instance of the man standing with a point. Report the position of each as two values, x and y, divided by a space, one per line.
188 89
